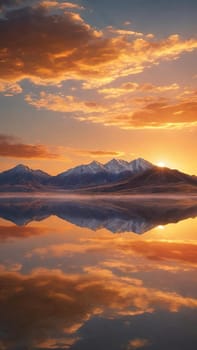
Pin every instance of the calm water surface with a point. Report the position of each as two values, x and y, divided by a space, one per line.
98 274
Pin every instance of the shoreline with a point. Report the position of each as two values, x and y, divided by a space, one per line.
81 196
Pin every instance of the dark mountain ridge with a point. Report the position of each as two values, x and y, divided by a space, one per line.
153 180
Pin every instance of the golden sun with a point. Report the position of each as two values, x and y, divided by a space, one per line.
161 164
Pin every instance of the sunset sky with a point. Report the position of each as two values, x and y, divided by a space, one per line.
95 80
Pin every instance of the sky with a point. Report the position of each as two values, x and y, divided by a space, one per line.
95 80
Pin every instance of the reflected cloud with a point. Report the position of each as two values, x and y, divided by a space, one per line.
15 232
138 344
38 306
151 250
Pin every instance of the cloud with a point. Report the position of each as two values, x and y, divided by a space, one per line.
128 267
49 4
11 267
60 5
149 111
111 92
127 23
123 32
67 104
99 153
161 115
53 302
63 46
127 88
153 88
138 343
10 146
94 153
10 89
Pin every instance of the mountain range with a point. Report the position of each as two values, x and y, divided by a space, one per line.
115 176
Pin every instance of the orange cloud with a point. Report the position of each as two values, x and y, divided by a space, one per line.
10 89
60 5
11 267
154 88
64 46
16 232
150 112
128 267
94 153
161 115
138 343
127 88
11 147
68 104
50 4
123 32
54 302
140 112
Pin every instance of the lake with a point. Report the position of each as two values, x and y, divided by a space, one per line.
94 273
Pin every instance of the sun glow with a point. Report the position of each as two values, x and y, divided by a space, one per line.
161 164
160 227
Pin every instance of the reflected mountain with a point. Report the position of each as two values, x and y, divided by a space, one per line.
137 215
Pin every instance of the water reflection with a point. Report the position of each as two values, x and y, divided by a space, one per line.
51 302
64 286
137 215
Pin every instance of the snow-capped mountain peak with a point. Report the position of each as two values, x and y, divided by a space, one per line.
140 164
116 166
20 168
91 168
95 166
113 167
